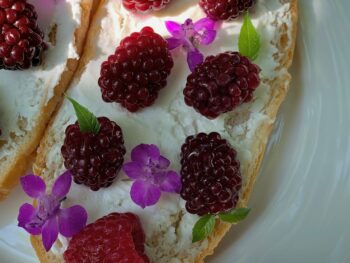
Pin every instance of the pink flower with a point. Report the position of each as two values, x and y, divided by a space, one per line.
48 219
190 36
150 171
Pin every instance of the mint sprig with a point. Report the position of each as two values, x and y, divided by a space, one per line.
87 121
203 228
249 39
235 215
205 225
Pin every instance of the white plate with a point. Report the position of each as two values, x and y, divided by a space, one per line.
300 206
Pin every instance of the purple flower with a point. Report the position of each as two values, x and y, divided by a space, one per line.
191 35
47 218
149 170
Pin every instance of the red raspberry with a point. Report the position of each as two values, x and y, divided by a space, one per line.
21 40
94 159
225 9
210 174
144 5
111 239
137 71
221 83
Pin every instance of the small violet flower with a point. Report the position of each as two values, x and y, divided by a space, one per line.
149 170
47 218
190 36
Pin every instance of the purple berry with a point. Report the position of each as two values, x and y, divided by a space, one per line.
210 174
225 9
137 71
94 159
21 40
221 83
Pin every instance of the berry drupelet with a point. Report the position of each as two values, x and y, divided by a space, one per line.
137 71
21 40
210 174
113 238
94 159
221 83
225 9
144 5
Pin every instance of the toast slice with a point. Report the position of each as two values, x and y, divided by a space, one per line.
167 225
29 97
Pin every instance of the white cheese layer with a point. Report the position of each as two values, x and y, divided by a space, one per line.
167 123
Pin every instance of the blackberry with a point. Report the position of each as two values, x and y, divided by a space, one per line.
94 159
210 174
21 40
221 83
225 9
144 5
137 71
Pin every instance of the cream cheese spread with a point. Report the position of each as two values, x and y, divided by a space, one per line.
167 123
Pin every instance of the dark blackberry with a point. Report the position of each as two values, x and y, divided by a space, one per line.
221 83
137 71
225 9
21 40
94 159
144 5
210 174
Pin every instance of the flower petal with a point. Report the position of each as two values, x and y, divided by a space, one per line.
143 153
144 193
25 215
163 162
171 183
33 185
175 29
194 58
50 233
207 37
134 170
204 24
72 220
62 185
174 42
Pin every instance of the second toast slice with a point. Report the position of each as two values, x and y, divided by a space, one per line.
168 226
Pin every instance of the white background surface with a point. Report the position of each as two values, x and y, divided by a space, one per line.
301 203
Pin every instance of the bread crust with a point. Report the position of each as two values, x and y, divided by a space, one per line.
21 162
280 88
40 160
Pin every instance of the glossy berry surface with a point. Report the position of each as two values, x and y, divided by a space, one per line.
221 83
111 239
144 5
137 71
225 9
210 174
21 40
94 159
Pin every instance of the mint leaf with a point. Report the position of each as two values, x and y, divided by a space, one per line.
87 121
203 228
249 39
235 215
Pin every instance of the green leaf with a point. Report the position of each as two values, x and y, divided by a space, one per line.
203 228
87 121
249 39
235 215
